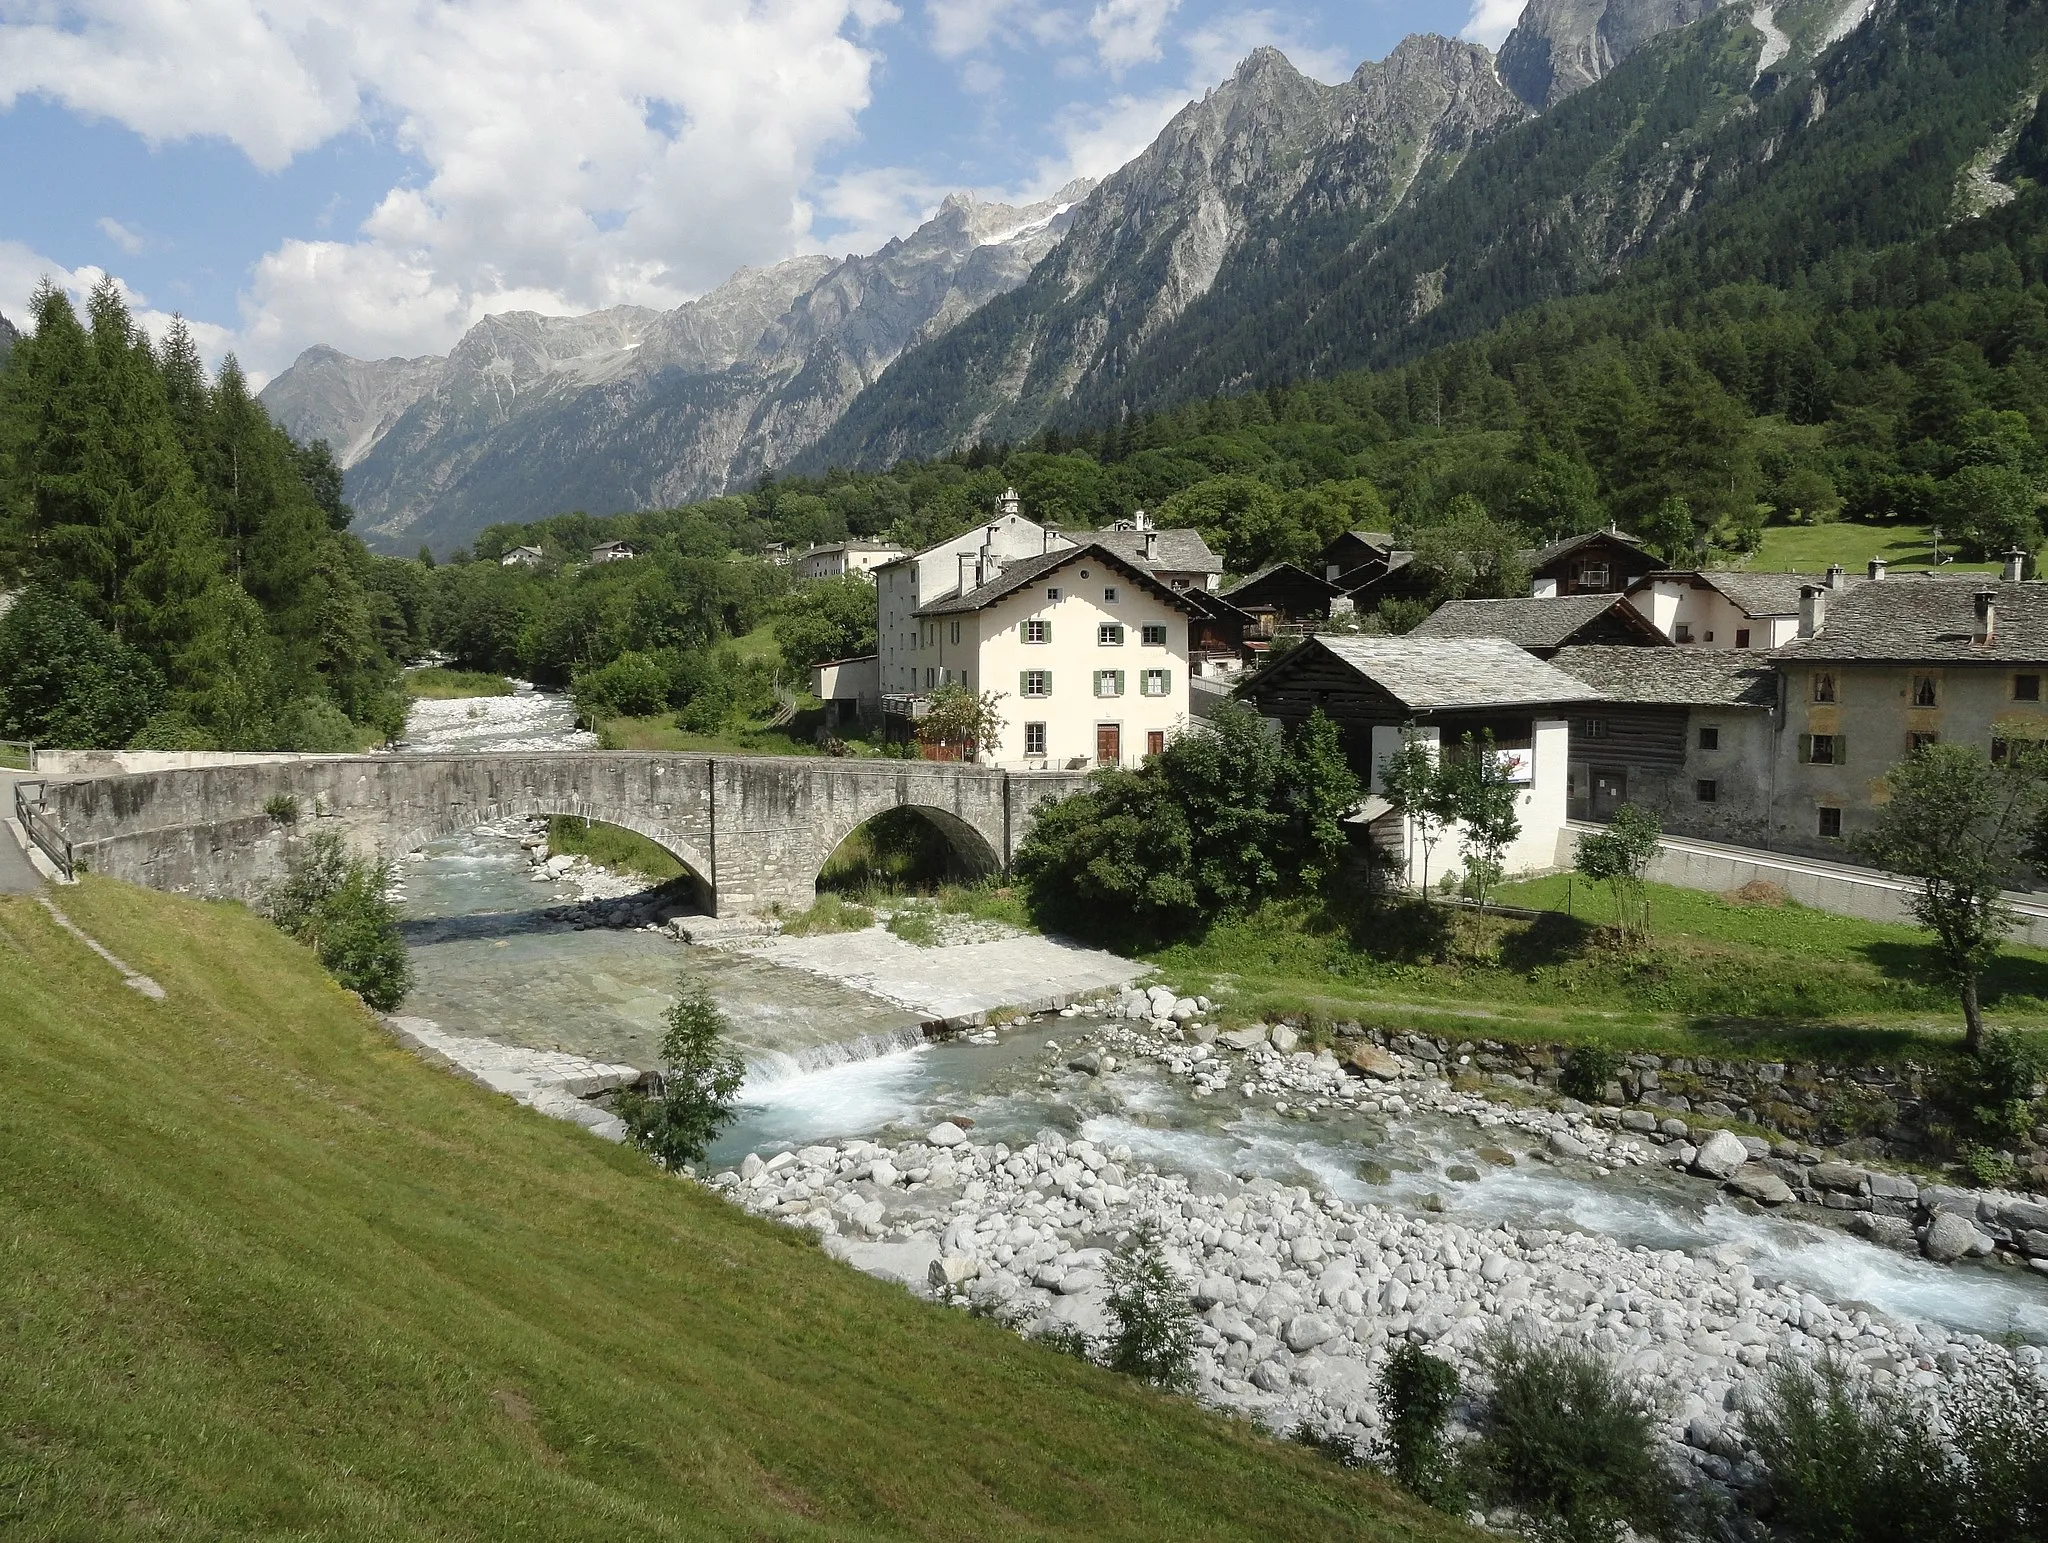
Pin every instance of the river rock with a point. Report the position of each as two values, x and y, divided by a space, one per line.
1761 1186
750 1165
1243 1039
1950 1236
1846 1177
1074 1282
1284 1038
1088 1061
1374 1062
1720 1155
1562 1145
1203 1033
1272 1377
883 1172
945 1134
1305 1331
950 1270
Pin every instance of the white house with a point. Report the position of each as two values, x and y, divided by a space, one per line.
1180 559
850 688
1716 609
522 557
1087 651
844 557
613 552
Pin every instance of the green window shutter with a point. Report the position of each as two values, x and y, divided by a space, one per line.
1119 682
1022 632
1023 684
1805 748
1048 631
1841 751
1166 683
1048 681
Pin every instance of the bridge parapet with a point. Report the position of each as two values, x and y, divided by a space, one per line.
754 830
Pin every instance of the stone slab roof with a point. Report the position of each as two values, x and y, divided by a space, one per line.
1433 674
1542 556
1023 571
1688 677
1179 551
1532 621
1927 620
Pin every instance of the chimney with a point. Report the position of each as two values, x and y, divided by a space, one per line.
1813 609
968 567
1140 520
1151 546
1987 618
1836 578
2015 566
1876 569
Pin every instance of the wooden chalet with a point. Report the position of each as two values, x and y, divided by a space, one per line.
1598 563
1543 626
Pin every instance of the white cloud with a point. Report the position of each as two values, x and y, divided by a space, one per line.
23 269
1491 21
867 208
575 154
1126 32
1219 47
122 237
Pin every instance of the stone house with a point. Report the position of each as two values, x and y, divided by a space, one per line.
844 557
613 552
1884 666
1716 609
1180 559
1686 733
1377 689
851 689
1543 626
1088 649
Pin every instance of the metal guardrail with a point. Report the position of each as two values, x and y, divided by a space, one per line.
42 830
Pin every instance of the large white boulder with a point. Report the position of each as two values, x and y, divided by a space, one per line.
1720 1155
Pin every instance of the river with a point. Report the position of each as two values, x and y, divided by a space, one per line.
827 1062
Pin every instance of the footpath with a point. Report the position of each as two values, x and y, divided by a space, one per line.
18 875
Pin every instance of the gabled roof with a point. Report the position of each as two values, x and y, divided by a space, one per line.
852 546
1547 621
1024 571
1444 674
1926 620
1180 551
1753 594
1690 677
1289 572
1544 556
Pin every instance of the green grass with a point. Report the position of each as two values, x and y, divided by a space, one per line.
444 684
1718 977
1810 548
14 757
829 913
660 733
760 644
916 923
988 901
610 846
269 1276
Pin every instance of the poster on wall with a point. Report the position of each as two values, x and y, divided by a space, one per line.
1519 763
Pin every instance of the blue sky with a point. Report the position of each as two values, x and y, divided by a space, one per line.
380 175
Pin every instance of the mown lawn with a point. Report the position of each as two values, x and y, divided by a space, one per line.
265 1275
1717 977
445 684
1810 548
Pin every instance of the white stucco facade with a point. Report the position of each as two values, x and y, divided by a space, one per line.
909 582
1700 616
1541 808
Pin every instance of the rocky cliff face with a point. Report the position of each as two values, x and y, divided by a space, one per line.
632 408
1213 194
1562 46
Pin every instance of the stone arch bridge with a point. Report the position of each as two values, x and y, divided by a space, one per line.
753 830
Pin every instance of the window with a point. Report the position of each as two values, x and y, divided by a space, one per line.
1034 683
1710 736
1593 576
1822 749
1742 637
1036 631
1034 739
1593 728
1918 738
1823 687
1109 595
1156 683
1705 789
1180 583
1109 682
1923 691
1110 635
956 633
1706 637
1053 593
931 677
1830 823
1683 634
1155 742
1153 634
2026 688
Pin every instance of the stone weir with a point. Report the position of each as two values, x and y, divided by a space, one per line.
753 831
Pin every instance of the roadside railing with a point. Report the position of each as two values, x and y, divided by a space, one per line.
41 829
17 755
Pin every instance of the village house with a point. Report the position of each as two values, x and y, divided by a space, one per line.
1687 734
1887 665
1379 689
522 557
613 552
844 557
1597 563
1179 559
1283 599
1543 626
851 689
1360 552
1712 608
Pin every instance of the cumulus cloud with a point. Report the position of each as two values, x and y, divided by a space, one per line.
1126 32
122 237
573 154
23 269
1220 45
1491 21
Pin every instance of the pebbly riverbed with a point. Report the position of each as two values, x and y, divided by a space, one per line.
1320 1216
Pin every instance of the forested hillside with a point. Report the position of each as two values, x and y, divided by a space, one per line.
183 576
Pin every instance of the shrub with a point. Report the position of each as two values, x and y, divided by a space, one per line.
1416 1393
1620 858
915 924
830 913
66 680
1152 1322
1562 1439
334 902
1588 1072
1991 1093
633 685
693 1093
283 809
1861 1111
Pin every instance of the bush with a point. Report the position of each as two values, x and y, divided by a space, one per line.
721 687
65 680
631 686
1563 1440
830 913
1588 1072
693 1094
1152 1322
334 902
1991 1093
1416 1393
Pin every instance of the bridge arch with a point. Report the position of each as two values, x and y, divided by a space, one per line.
971 853
696 866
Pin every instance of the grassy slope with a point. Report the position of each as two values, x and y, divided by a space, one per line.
445 684
1810 548
1720 978
613 847
264 1274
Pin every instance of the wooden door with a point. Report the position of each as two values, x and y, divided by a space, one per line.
1610 792
1109 744
1155 741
